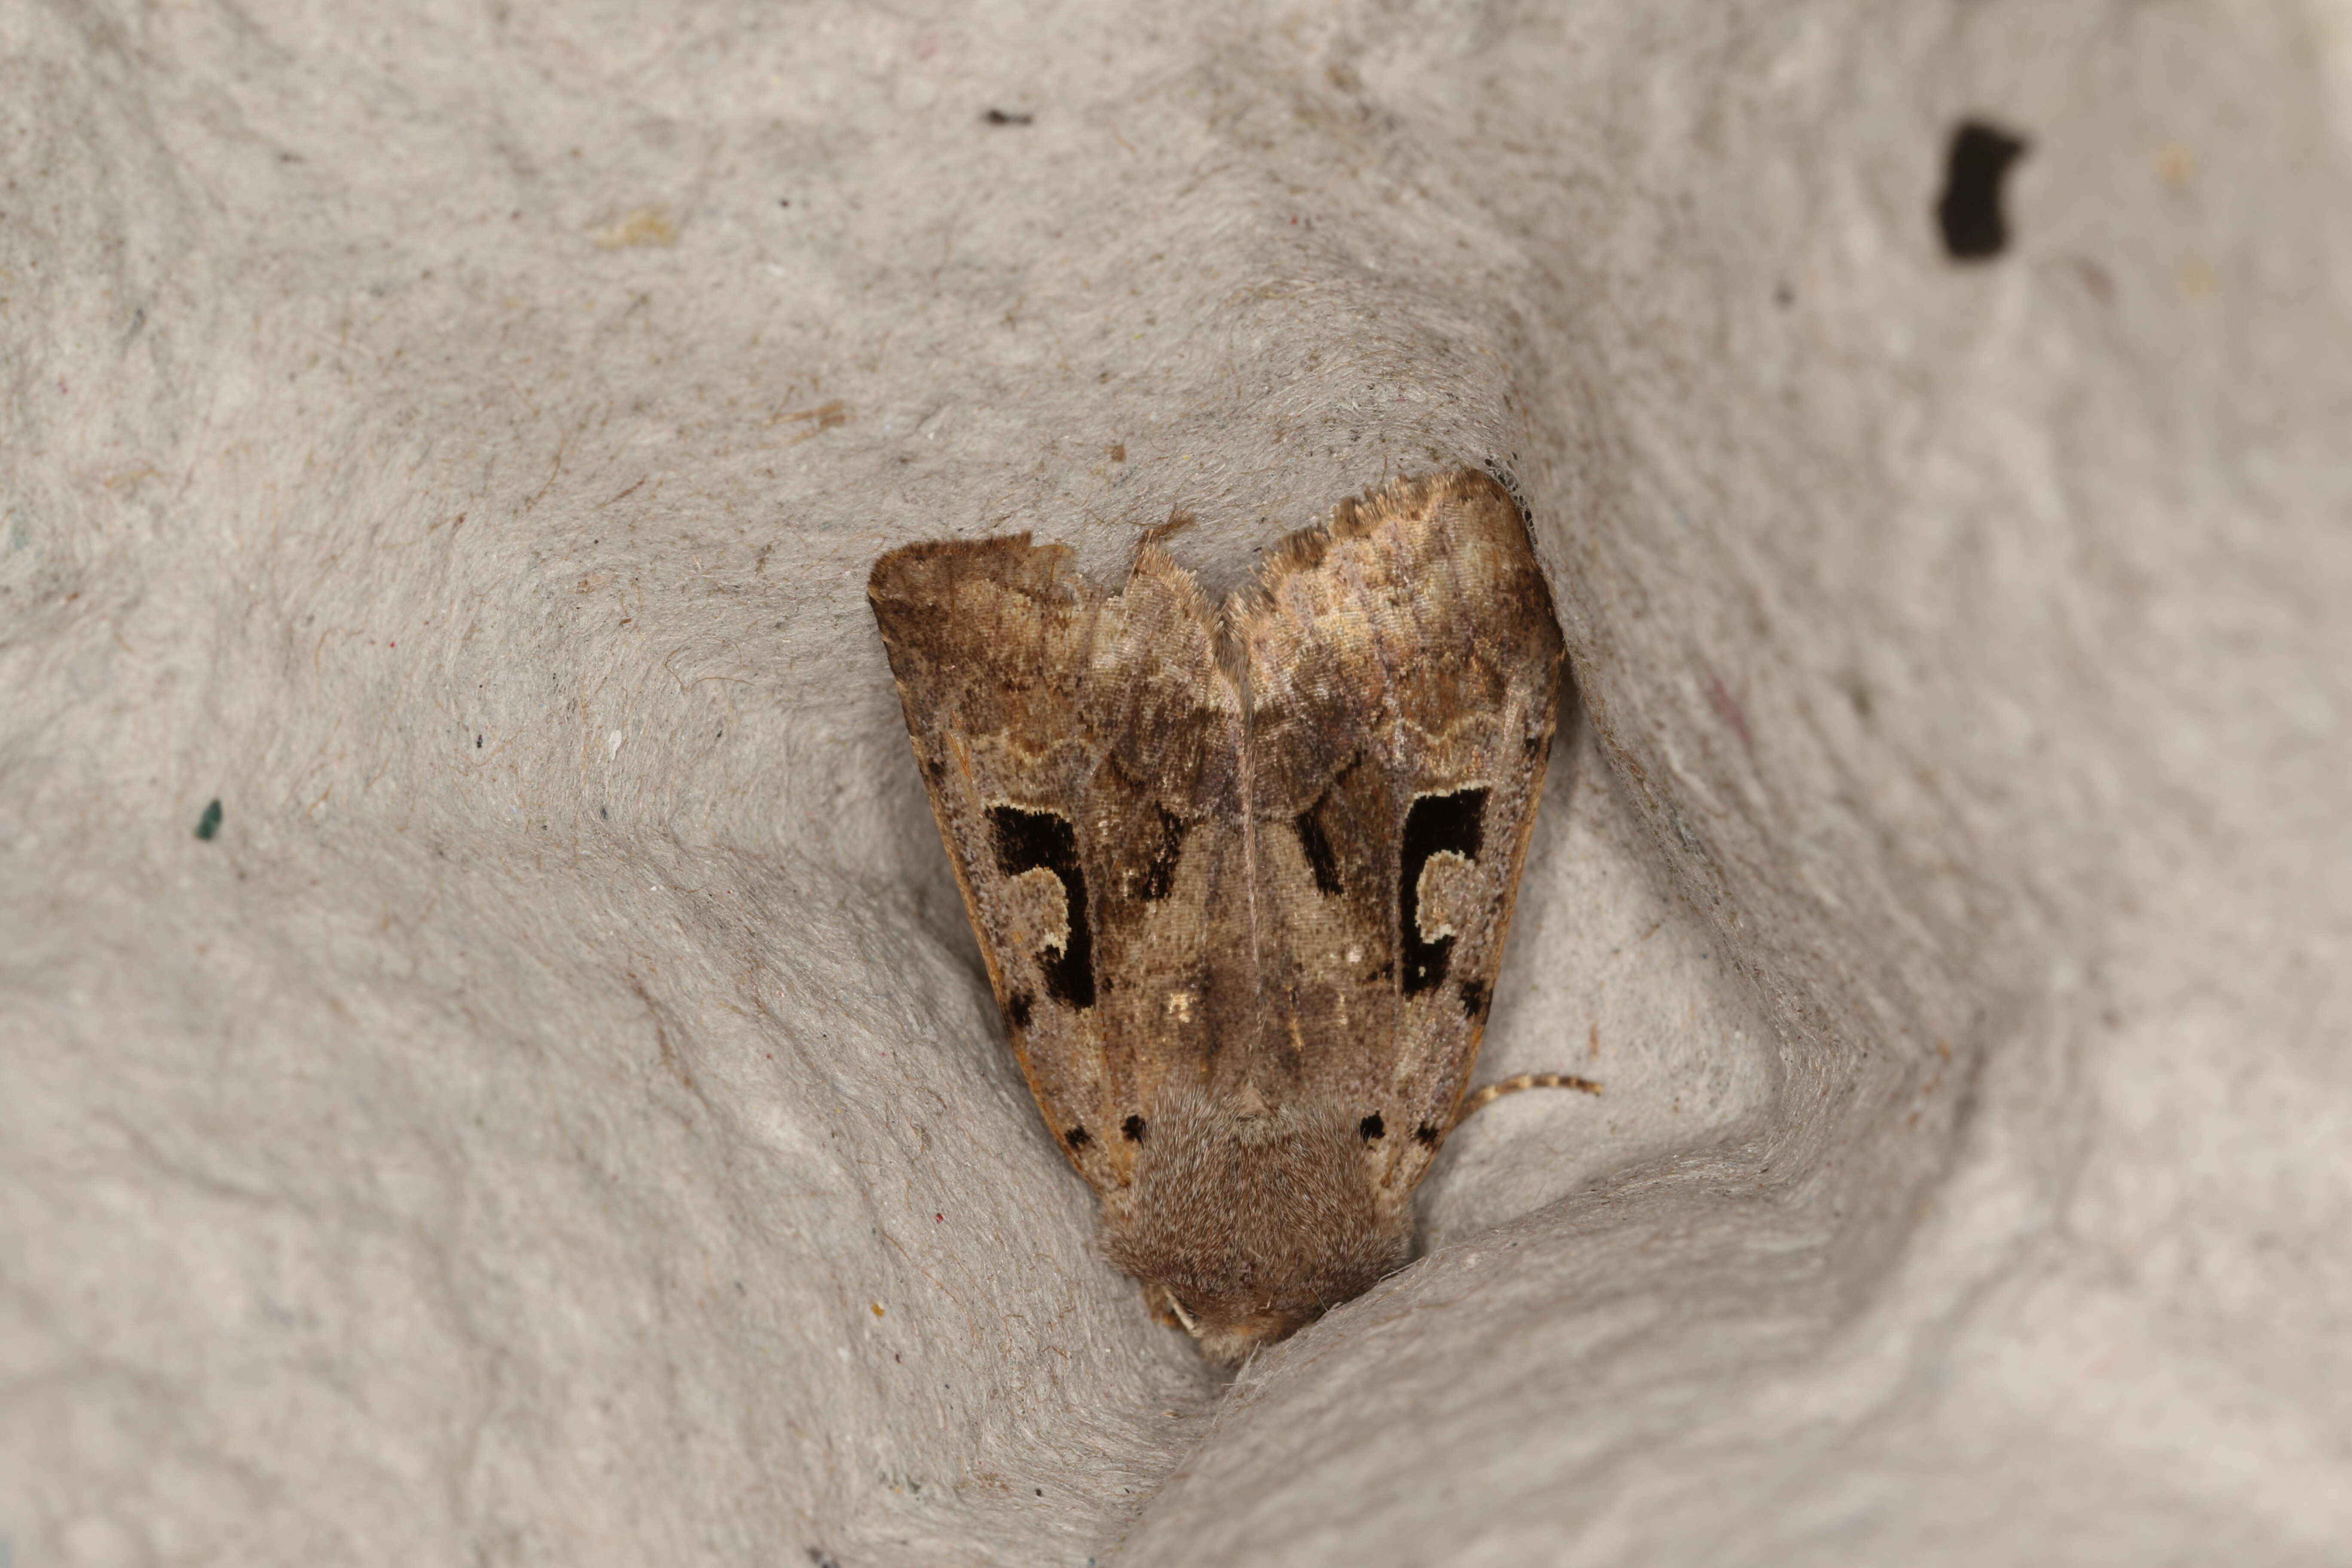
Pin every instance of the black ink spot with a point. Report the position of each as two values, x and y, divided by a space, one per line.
1034 840
1425 1135
1437 825
1077 1137
603 814
1006 117
1133 1127
478 743
209 822
1160 874
1970 212
1018 1009
1316 846
1370 1127
1474 997
820 1558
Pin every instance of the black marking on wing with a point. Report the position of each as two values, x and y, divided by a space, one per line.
1134 1128
1160 871
1078 1138
1035 840
1474 998
1425 1135
1017 1007
1370 1127
1316 845
1437 825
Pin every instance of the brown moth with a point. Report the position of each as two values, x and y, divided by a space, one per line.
1242 873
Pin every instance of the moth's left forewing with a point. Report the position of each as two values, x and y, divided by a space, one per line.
990 641
1080 751
1403 665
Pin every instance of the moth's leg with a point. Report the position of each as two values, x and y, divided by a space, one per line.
1495 1092
1167 1309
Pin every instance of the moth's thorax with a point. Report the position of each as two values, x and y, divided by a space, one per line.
1254 1218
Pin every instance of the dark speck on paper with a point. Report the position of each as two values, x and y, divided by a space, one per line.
1970 212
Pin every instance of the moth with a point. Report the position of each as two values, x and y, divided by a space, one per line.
1242 873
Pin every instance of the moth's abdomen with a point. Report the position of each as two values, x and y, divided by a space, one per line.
1255 1220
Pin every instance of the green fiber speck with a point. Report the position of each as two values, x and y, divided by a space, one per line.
209 824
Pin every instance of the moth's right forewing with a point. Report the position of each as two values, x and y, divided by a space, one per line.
1403 668
1165 802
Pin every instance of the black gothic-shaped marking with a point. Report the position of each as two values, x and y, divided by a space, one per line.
1078 1138
1316 845
1437 825
1474 997
1040 840
1370 1127
1969 213
1133 1127
1160 872
1018 1009
1425 1135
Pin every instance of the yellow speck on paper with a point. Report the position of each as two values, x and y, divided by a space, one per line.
646 226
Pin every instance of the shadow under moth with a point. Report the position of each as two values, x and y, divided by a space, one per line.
1242 874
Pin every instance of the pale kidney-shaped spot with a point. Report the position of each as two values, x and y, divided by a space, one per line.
1448 895
1037 912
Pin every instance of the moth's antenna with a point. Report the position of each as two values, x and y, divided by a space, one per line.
1495 1092
1177 520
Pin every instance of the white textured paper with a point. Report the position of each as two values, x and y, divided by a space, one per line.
558 1117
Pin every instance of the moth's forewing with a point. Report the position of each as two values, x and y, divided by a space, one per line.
1080 752
1403 670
